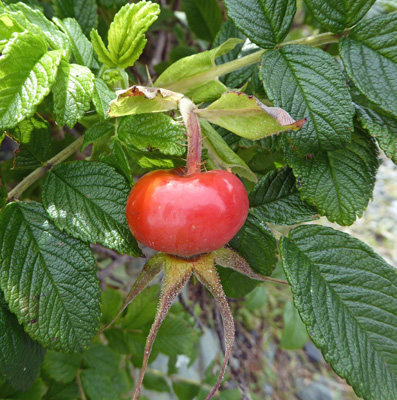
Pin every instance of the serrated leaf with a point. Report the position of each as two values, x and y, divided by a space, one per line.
20 356
264 22
34 138
84 11
275 199
247 117
87 200
294 335
97 385
102 358
186 75
62 367
72 93
308 83
153 132
336 15
221 156
97 132
126 35
255 242
82 50
370 60
100 49
27 73
141 100
47 29
347 297
339 183
48 279
204 17
101 97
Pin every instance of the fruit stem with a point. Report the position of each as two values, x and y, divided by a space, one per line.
193 131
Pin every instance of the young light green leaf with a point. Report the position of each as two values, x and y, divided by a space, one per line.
196 76
275 199
221 156
82 50
369 49
347 297
72 93
62 367
20 356
84 11
126 35
102 97
339 183
27 73
34 138
87 200
294 335
264 22
153 132
204 17
141 100
247 117
100 49
336 15
48 279
308 83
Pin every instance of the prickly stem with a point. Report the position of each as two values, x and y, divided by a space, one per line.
150 270
177 273
208 276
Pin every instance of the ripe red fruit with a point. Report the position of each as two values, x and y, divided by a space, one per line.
186 215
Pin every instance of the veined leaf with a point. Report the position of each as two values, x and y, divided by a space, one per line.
247 117
48 279
336 15
101 97
20 356
96 132
27 73
153 132
62 367
370 60
87 200
264 22
191 75
276 199
235 285
72 93
339 183
347 297
308 83
100 49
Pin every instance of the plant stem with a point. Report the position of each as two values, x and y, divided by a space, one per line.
41 171
80 386
193 130
223 69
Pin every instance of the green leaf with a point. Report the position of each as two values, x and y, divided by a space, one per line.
48 279
336 15
97 385
204 17
87 200
100 49
3 190
20 356
59 391
192 75
84 11
221 156
347 297
276 199
256 299
264 22
235 285
154 159
153 132
102 358
111 303
82 50
185 391
27 73
255 242
308 83
339 183
101 97
97 132
48 31
126 35
294 335
141 100
156 383
141 312
247 117
34 138
35 392
61 367
72 93
370 60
